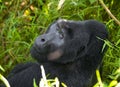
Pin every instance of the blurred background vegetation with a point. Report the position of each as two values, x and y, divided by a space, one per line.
21 21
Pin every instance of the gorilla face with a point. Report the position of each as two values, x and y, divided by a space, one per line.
49 46
51 40
66 41
55 44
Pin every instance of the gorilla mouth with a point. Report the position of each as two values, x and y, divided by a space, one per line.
42 50
52 54
55 55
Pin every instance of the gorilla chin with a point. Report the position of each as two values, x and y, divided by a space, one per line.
69 50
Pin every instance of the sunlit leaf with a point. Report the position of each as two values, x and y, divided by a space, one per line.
1 68
4 80
61 2
113 83
64 85
99 78
34 83
26 13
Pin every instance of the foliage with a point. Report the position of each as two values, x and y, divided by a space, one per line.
44 82
113 83
22 20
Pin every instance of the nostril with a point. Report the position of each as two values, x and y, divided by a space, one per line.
42 40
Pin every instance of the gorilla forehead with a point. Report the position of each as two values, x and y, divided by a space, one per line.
59 24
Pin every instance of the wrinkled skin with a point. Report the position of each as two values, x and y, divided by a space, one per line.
69 50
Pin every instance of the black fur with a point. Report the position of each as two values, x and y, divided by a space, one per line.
69 50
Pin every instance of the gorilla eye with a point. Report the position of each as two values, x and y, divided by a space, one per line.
61 36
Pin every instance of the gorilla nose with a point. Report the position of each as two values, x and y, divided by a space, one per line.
44 40
41 41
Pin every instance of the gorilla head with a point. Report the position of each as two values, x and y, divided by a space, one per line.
66 41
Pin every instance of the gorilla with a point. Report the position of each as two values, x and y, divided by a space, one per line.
70 50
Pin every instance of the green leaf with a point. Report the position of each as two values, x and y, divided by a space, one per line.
4 80
2 68
113 83
34 83
92 1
